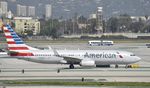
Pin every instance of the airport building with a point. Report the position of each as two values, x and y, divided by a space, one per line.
21 10
25 11
92 16
24 24
99 17
9 14
48 11
3 7
138 18
31 11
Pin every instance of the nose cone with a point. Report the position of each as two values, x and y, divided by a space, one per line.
138 59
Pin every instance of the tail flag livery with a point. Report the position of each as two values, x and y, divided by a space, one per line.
15 43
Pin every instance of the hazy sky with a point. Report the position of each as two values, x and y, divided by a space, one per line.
67 8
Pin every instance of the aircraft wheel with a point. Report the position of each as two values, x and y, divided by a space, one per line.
116 66
71 66
126 66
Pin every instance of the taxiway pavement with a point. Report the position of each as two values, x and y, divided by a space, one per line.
12 69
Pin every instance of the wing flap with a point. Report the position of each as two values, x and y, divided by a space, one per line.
72 60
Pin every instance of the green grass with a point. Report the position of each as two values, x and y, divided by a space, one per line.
77 83
74 40
85 41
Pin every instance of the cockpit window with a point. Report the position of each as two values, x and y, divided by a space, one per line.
132 54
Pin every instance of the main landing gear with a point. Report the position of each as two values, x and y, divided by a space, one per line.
116 66
128 66
71 66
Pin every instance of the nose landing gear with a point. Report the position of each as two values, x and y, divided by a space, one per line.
71 66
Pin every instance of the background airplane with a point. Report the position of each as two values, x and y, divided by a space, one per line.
87 58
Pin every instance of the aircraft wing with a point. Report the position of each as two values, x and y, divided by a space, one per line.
80 61
68 59
72 59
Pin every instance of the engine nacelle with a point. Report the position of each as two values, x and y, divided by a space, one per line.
88 63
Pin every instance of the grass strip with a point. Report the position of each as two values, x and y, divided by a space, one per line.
77 83
85 41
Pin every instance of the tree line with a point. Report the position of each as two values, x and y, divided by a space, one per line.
83 25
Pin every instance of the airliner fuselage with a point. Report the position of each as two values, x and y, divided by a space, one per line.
100 57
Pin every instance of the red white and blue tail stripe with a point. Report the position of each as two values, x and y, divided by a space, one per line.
15 43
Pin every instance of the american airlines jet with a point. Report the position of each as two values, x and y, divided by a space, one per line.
86 58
